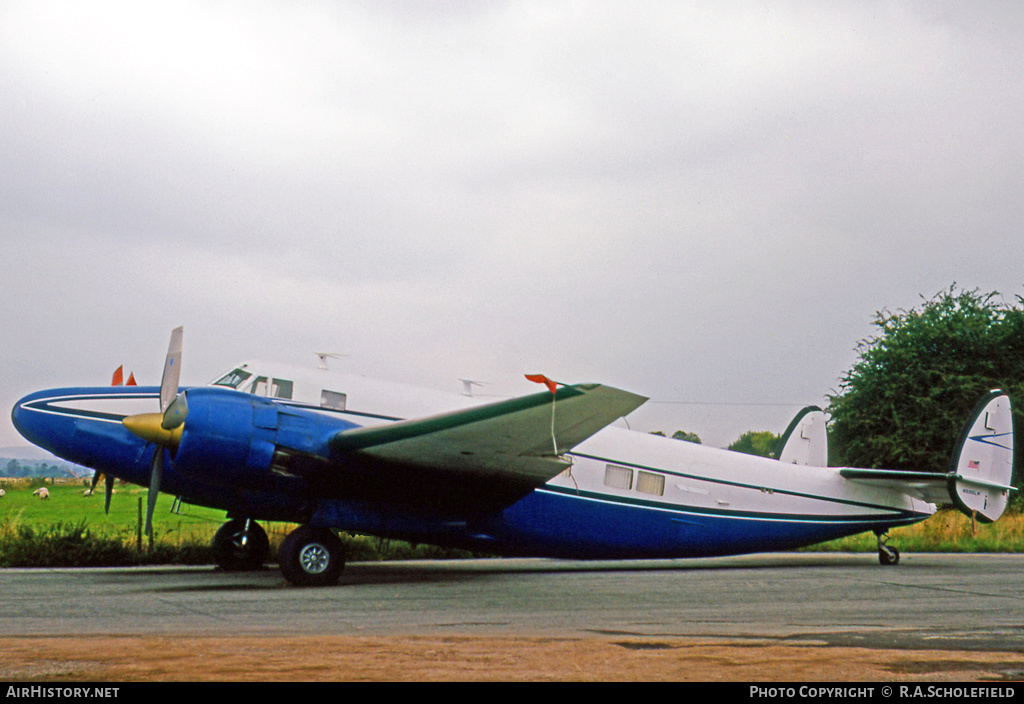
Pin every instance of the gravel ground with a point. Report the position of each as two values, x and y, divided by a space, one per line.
471 658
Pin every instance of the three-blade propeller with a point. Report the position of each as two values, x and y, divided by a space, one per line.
163 429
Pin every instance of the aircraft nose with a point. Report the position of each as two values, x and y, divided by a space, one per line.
42 423
26 420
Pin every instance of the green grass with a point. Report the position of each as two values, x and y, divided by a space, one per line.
72 529
69 504
946 531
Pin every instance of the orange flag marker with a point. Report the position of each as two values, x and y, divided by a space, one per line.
541 379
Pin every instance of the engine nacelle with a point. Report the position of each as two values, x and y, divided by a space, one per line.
230 438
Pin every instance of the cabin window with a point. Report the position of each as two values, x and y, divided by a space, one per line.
277 388
233 379
618 477
333 400
650 483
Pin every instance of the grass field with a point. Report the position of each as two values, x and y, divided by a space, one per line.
72 528
946 531
69 504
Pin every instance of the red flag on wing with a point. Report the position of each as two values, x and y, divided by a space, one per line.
541 379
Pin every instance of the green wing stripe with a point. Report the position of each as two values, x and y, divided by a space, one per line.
362 438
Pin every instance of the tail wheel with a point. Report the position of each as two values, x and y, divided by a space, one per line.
312 557
886 554
240 545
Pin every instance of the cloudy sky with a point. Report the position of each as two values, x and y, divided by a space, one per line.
702 202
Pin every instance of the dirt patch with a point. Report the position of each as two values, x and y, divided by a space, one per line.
470 658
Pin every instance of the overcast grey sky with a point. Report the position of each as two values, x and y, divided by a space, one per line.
700 202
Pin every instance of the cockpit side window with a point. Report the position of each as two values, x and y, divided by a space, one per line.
233 379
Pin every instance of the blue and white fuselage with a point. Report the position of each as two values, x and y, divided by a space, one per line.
626 494
345 453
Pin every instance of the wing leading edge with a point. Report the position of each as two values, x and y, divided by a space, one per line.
518 442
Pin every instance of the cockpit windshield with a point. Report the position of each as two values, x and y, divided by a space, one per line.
233 379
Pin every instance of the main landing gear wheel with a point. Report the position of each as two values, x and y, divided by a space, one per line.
312 557
886 554
240 545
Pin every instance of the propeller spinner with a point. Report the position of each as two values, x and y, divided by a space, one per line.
163 429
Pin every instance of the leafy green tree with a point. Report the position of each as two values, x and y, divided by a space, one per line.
756 442
903 403
680 435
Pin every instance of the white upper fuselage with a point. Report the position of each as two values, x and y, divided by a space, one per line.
616 463
365 401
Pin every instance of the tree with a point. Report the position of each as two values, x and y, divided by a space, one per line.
903 403
754 442
680 435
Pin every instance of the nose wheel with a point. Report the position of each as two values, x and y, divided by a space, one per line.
887 555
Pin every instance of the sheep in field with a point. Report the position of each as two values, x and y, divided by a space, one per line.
42 492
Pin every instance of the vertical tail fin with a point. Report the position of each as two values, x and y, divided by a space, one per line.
981 470
805 441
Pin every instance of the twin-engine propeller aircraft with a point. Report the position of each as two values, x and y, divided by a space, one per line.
541 475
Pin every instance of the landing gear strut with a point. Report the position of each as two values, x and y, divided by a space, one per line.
240 545
886 554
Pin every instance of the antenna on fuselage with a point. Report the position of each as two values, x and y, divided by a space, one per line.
324 356
467 386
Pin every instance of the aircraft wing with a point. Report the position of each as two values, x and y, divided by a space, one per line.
513 443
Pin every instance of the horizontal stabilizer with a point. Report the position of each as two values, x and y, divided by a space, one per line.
930 487
979 478
520 439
